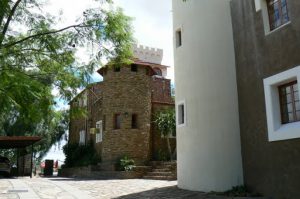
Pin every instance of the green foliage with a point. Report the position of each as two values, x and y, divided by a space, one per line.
36 58
240 191
161 155
166 122
80 155
9 153
237 191
126 164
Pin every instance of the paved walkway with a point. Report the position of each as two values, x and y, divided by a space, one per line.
67 188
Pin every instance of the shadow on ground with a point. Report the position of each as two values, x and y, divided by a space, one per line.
173 192
77 179
166 192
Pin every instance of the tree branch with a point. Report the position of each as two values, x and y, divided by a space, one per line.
5 28
43 34
3 7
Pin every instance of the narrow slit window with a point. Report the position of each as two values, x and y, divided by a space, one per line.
181 114
134 68
99 127
104 119
178 38
134 121
117 121
117 69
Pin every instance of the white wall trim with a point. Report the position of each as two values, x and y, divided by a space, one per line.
258 5
82 137
276 130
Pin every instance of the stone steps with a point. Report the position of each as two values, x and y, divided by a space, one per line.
163 167
162 171
160 177
167 173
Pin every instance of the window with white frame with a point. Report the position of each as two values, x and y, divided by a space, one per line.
282 105
289 102
275 13
278 13
82 137
181 114
99 130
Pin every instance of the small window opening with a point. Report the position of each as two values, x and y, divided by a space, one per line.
117 69
147 71
178 38
104 120
134 124
158 71
181 114
117 121
134 68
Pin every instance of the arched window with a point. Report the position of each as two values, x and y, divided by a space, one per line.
157 71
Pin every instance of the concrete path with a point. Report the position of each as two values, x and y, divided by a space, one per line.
39 188
68 188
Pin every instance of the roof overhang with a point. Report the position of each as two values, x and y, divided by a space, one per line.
14 142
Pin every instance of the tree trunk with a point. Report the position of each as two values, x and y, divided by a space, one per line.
175 153
169 147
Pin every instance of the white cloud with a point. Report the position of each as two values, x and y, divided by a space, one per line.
152 25
152 21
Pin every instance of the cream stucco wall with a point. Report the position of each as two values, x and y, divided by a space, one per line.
208 146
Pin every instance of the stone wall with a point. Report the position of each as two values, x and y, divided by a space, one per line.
161 90
126 93
94 114
270 168
88 172
95 103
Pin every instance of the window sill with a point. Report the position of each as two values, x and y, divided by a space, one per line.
278 28
286 132
181 125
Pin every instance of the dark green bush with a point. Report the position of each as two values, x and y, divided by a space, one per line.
161 155
80 155
126 164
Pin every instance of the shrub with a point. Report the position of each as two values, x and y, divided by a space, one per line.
161 155
80 155
126 164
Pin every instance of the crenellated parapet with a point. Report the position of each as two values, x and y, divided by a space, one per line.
148 54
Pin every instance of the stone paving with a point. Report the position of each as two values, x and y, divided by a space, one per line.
4 187
67 188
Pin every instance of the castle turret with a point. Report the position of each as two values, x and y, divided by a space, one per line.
208 139
151 55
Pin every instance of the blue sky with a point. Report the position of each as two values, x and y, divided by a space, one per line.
152 25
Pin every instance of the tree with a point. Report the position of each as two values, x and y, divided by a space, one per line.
166 124
41 58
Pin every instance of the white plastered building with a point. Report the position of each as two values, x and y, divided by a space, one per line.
208 137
